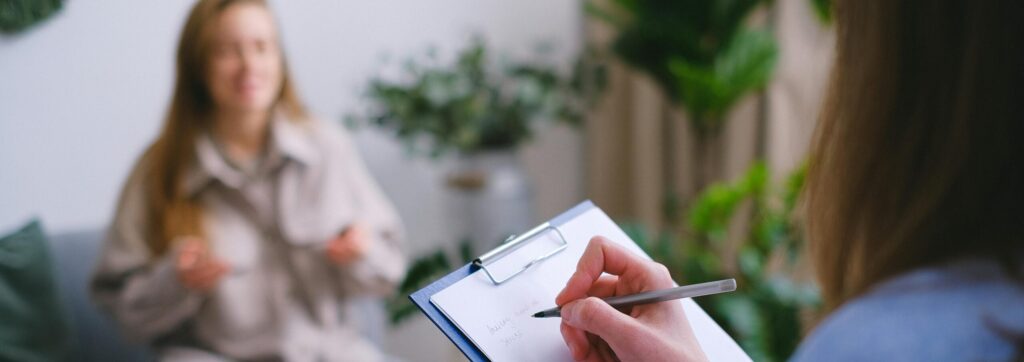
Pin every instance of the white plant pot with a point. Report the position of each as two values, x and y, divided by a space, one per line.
492 198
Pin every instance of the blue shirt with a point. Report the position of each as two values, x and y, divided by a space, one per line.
957 312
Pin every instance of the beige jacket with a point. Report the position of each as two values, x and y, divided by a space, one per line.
283 298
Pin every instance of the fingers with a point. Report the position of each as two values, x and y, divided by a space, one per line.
600 351
350 245
576 340
594 331
206 277
342 252
585 346
355 231
604 256
597 317
338 245
197 267
605 286
357 241
190 253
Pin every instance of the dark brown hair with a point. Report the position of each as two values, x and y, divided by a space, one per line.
917 156
172 211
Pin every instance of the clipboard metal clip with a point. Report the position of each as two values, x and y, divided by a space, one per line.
515 242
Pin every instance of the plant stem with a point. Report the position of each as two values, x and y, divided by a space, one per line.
671 208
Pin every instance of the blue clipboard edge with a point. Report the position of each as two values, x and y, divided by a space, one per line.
422 300
422 297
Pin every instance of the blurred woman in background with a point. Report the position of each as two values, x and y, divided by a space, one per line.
246 224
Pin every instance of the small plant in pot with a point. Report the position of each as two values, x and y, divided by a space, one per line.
481 111
472 105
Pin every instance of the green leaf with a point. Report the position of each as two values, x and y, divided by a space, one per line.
651 33
709 91
746 321
823 9
471 105
18 15
421 272
466 250
764 314
794 185
715 207
751 263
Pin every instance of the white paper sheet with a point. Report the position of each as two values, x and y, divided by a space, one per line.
498 318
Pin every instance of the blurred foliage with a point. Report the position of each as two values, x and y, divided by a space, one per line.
18 15
764 314
709 92
700 52
422 271
823 9
470 106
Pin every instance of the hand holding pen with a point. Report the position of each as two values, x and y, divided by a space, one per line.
596 331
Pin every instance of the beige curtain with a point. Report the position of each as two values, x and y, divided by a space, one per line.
630 133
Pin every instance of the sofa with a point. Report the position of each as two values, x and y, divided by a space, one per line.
96 337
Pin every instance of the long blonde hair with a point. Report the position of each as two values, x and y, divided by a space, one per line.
172 212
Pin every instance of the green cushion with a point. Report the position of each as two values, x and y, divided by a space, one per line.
33 326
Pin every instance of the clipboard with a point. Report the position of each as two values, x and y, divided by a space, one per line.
716 343
422 297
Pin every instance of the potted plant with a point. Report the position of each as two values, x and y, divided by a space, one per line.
473 105
704 57
768 313
480 111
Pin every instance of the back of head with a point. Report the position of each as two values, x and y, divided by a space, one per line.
916 156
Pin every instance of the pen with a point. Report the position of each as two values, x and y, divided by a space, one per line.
686 291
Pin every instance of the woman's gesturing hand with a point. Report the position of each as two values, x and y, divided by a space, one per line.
351 245
197 267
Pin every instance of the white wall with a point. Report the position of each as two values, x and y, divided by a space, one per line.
82 94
